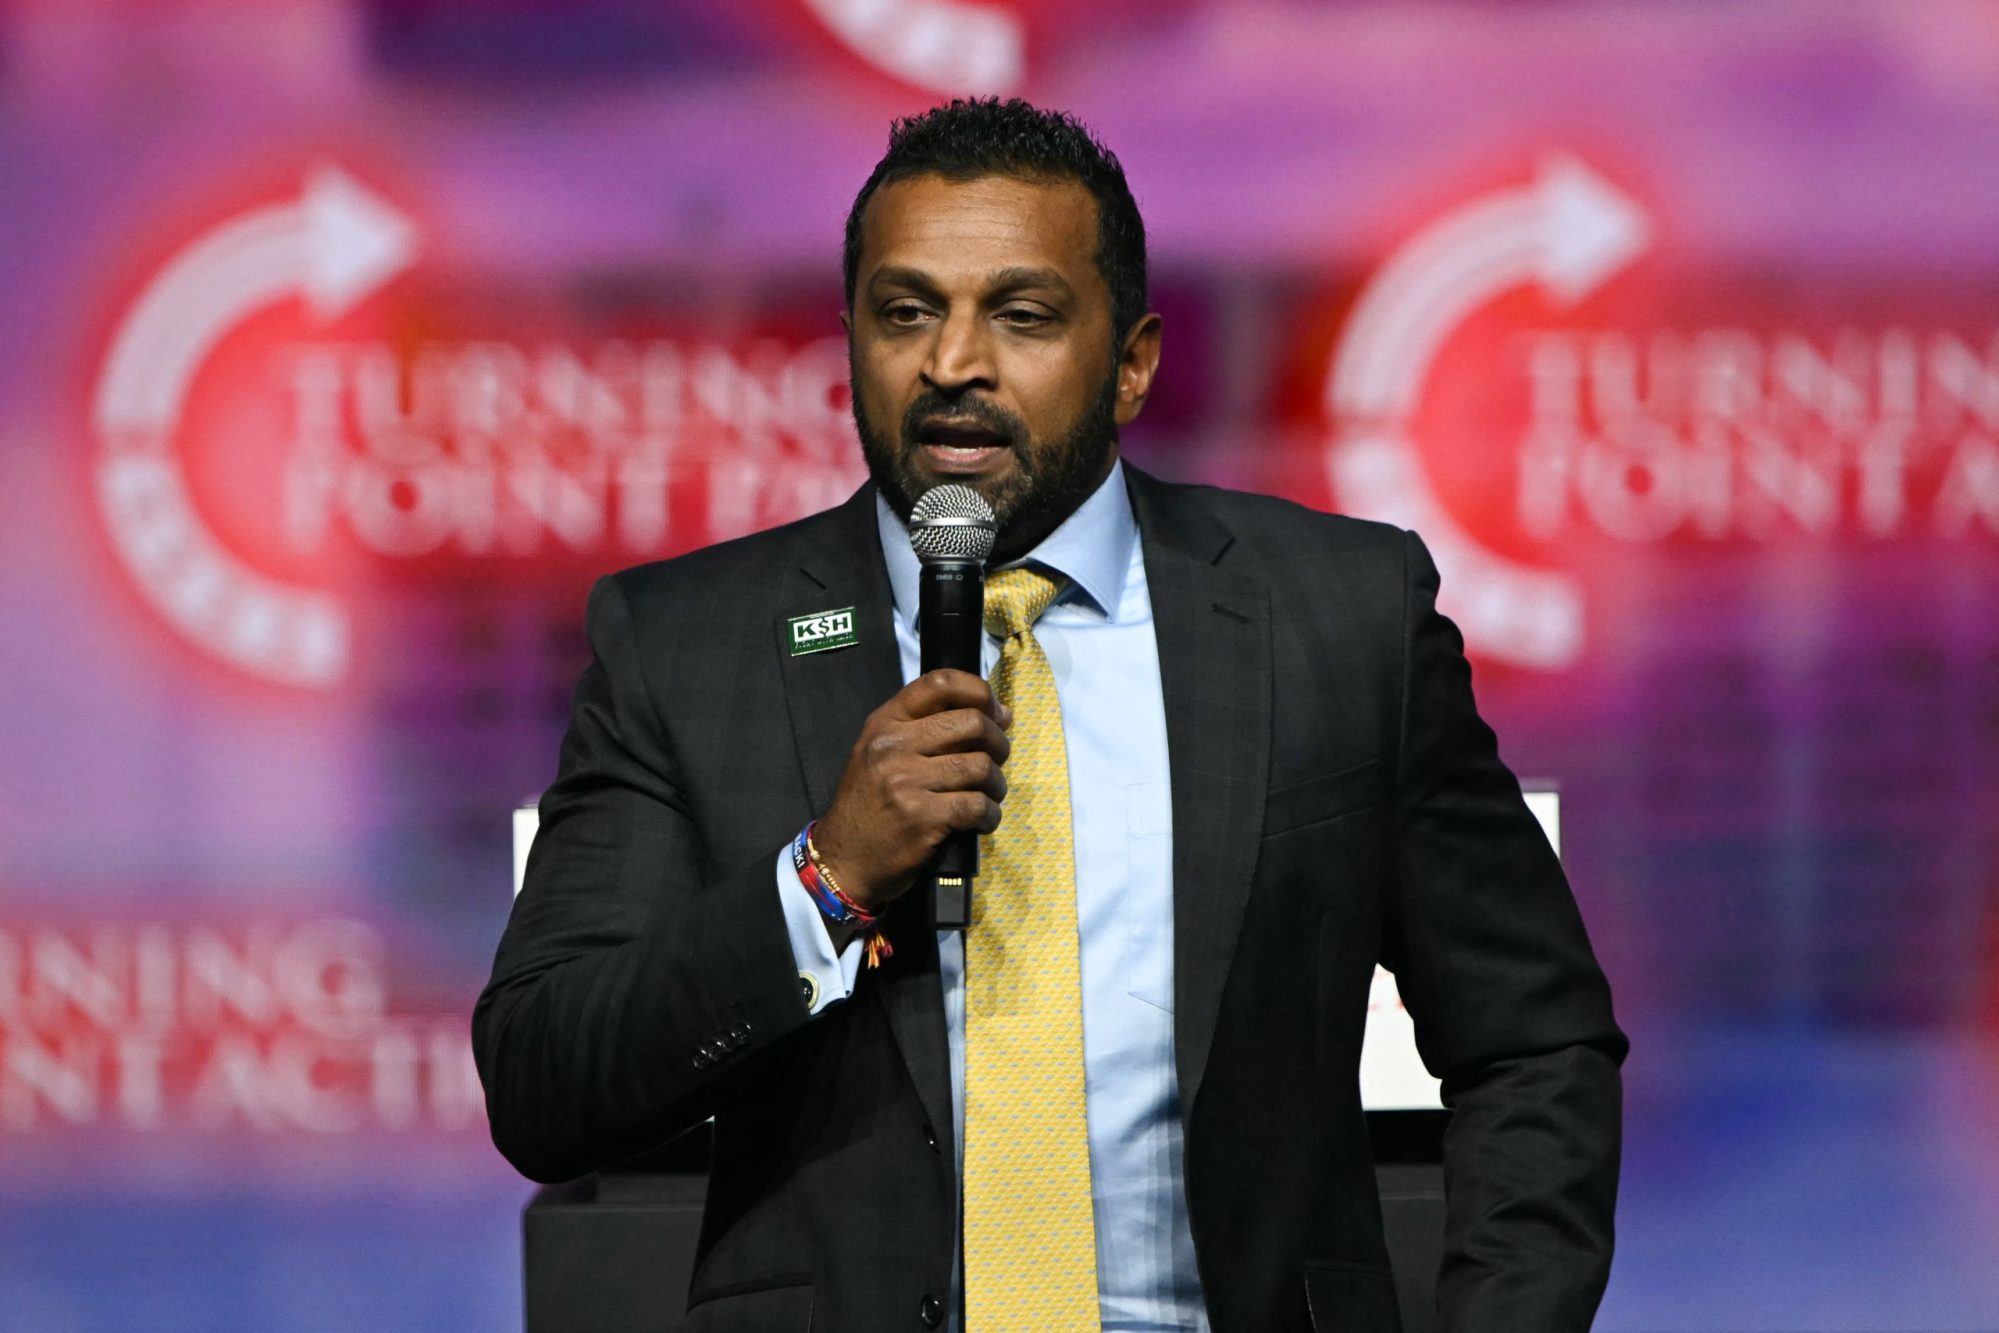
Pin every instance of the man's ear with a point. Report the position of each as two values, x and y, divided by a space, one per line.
847 320
1138 361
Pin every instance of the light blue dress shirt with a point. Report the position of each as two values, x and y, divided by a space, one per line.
1099 639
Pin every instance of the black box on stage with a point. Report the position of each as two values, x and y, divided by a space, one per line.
614 1252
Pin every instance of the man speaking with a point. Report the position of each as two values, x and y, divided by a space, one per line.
1228 759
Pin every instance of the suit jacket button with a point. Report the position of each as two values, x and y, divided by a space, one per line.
702 1059
739 1033
930 1311
930 1137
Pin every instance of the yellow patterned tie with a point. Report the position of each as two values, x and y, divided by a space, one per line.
1030 1233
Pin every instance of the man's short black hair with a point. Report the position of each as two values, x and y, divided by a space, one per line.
971 137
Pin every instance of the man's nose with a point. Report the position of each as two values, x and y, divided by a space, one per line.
961 357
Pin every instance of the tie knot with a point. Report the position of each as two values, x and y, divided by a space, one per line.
1015 599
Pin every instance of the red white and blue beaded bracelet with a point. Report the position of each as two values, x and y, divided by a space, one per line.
832 900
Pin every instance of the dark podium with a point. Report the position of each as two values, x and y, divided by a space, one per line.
613 1252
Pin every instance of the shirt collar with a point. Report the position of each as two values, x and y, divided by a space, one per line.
1092 547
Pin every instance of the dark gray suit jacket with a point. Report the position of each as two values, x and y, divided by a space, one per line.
1336 800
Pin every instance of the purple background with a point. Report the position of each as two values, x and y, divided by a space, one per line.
1775 739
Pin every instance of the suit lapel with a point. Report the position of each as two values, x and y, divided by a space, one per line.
1213 628
830 694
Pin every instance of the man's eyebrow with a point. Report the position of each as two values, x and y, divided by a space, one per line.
1016 278
896 275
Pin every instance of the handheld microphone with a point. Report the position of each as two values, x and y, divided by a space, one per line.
952 529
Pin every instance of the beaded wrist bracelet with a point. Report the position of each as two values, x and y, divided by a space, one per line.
832 900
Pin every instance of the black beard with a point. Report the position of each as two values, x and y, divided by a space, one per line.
1028 505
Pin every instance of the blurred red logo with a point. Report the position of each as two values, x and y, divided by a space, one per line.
288 409
1531 385
957 47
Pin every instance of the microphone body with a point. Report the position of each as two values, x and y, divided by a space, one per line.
951 528
951 621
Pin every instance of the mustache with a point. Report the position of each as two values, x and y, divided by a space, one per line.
988 416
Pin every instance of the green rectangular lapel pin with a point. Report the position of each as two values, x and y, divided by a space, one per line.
822 631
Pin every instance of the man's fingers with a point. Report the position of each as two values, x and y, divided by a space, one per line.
972 810
962 729
938 691
974 770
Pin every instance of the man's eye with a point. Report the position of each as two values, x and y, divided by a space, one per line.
903 314
1024 318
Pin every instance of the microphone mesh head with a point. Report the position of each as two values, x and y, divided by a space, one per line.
952 523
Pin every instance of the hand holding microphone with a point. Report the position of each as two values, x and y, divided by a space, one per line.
924 780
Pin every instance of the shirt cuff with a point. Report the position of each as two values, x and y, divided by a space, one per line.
824 977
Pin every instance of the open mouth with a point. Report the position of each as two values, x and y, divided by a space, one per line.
955 446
